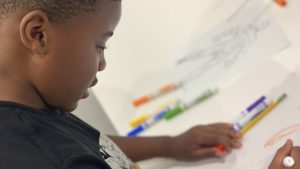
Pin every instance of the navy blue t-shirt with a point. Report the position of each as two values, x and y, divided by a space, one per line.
47 139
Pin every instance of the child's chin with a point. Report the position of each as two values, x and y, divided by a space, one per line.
70 108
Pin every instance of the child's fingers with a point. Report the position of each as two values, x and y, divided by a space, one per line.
227 129
221 125
236 143
284 151
212 138
206 153
231 133
286 148
231 137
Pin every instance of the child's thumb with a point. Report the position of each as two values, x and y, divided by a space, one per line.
285 150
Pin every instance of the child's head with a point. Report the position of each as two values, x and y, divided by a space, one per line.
51 50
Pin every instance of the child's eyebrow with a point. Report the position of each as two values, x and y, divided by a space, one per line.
108 34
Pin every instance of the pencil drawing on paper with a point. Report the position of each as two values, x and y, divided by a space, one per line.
226 48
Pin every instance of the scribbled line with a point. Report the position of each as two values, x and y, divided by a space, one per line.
282 133
226 49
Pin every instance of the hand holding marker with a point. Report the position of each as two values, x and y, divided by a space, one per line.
252 115
243 123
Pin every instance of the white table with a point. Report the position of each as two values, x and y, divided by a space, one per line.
140 60
147 36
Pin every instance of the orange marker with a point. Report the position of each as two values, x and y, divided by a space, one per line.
139 101
281 2
163 90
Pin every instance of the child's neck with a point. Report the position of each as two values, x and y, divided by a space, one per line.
14 91
14 87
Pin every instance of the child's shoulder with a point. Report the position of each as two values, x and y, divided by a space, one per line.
33 138
16 142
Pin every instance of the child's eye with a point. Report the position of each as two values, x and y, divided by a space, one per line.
101 47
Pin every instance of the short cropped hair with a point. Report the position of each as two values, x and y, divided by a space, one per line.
56 10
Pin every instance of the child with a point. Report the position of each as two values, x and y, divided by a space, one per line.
50 52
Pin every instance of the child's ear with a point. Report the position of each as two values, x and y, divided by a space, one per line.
33 32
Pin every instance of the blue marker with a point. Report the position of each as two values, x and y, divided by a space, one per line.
148 123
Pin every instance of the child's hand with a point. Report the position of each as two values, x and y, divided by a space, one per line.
296 155
198 142
286 150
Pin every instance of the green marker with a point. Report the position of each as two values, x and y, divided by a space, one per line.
184 106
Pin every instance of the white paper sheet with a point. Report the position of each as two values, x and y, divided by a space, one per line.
297 72
253 154
249 36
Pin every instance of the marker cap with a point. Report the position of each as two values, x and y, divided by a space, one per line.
288 161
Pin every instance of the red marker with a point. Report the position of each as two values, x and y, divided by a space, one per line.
220 148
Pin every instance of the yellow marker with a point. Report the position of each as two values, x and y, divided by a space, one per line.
139 120
262 114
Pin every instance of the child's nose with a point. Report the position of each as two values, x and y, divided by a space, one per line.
102 65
